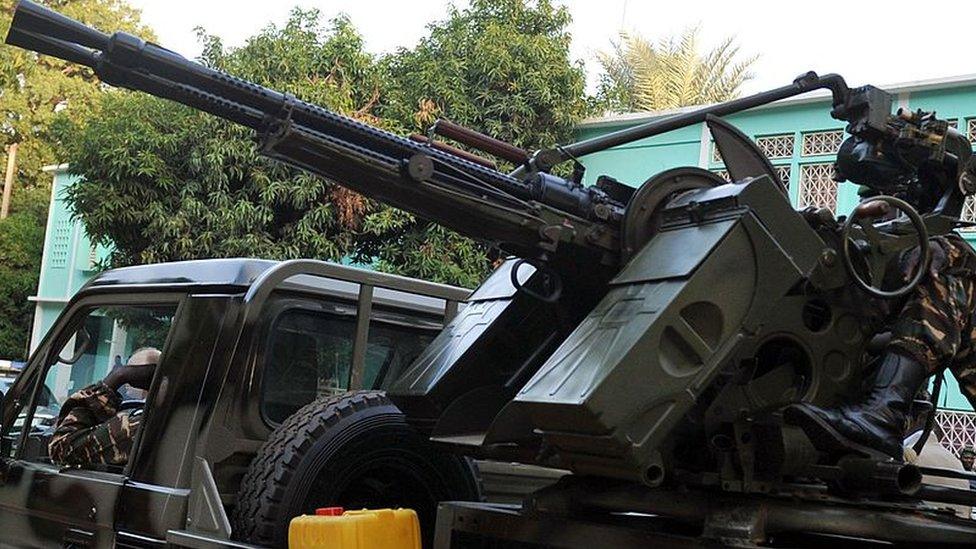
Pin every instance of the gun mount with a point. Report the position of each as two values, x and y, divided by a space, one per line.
648 335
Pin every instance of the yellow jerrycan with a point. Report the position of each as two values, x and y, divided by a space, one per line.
336 528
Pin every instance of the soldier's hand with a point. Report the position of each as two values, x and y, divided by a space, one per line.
138 376
873 209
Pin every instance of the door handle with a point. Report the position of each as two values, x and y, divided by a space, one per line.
76 538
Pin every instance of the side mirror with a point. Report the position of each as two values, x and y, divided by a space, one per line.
82 345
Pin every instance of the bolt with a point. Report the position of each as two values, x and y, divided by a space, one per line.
828 258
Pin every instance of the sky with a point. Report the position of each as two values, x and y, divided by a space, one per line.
865 41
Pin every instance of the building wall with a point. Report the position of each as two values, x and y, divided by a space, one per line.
801 140
69 260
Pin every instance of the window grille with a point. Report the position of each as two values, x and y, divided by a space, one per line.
61 244
776 146
92 258
953 123
969 213
783 171
971 129
817 186
958 429
825 142
716 156
784 175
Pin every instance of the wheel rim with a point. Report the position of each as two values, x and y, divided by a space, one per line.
391 479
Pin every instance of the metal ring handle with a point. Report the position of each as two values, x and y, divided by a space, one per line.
556 283
923 238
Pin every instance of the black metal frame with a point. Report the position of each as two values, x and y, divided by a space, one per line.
272 279
471 525
43 358
660 518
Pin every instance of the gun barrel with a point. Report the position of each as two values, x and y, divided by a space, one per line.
429 181
33 18
840 93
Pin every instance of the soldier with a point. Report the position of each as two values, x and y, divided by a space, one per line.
90 429
967 456
934 329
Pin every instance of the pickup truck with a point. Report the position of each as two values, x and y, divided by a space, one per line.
266 403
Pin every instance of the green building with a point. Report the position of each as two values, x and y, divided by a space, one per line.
69 259
798 135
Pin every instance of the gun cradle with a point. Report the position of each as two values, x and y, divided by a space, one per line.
663 345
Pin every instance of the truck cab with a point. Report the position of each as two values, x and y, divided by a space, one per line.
245 344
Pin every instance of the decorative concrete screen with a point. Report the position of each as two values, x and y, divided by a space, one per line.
61 243
822 143
817 186
776 146
784 174
971 129
969 213
773 146
958 429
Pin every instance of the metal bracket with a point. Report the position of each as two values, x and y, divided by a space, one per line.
736 526
553 234
278 125
205 511
744 444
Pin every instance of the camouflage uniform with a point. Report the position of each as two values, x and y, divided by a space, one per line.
936 326
91 430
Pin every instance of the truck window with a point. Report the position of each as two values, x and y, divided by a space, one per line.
391 348
104 339
309 355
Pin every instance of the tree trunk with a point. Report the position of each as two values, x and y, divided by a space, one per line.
8 182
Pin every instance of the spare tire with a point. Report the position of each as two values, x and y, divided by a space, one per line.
354 450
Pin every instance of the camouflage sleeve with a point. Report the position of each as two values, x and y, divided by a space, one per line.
934 324
91 431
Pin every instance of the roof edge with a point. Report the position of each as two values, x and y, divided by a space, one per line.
948 82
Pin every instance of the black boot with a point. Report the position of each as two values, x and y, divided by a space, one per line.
877 423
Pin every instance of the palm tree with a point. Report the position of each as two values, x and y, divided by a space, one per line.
638 75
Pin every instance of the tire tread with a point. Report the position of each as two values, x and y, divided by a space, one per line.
263 486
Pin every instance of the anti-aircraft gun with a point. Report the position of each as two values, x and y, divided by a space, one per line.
648 338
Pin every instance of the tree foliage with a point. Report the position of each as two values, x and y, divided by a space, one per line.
162 182
21 239
639 75
35 92
500 66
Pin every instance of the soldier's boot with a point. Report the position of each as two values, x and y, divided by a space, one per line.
872 425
